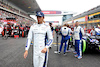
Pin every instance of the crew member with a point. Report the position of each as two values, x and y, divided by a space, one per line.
78 33
52 29
65 32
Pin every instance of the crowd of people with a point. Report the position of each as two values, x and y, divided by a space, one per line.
5 15
76 32
11 30
5 5
8 19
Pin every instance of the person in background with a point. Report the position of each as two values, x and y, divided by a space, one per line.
65 32
97 30
53 31
93 32
57 29
69 45
78 33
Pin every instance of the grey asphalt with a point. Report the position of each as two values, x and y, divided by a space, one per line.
12 50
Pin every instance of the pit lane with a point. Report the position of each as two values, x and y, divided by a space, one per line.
12 50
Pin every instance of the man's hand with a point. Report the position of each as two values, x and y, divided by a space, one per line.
44 50
25 54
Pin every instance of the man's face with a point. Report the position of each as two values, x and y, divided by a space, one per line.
76 24
40 19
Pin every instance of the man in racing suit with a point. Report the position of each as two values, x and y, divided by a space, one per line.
97 30
93 32
38 32
69 45
65 32
78 33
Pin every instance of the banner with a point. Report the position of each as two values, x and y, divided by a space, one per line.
6 21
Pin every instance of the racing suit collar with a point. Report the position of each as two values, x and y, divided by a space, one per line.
77 27
40 24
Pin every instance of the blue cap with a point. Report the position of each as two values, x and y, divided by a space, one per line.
40 14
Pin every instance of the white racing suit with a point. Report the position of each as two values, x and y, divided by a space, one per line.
78 33
97 31
39 31
65 32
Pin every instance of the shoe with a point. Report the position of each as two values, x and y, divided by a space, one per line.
65 54
79 57
76 55
68 51
75 52
59 52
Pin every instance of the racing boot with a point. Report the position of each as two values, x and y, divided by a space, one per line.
79 57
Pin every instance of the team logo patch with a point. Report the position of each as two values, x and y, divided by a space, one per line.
39 13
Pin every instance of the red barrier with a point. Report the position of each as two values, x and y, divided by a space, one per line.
16 36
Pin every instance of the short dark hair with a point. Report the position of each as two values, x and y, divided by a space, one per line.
50 23
65 25
76 21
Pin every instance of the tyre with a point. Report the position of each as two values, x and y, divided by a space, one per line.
84 46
